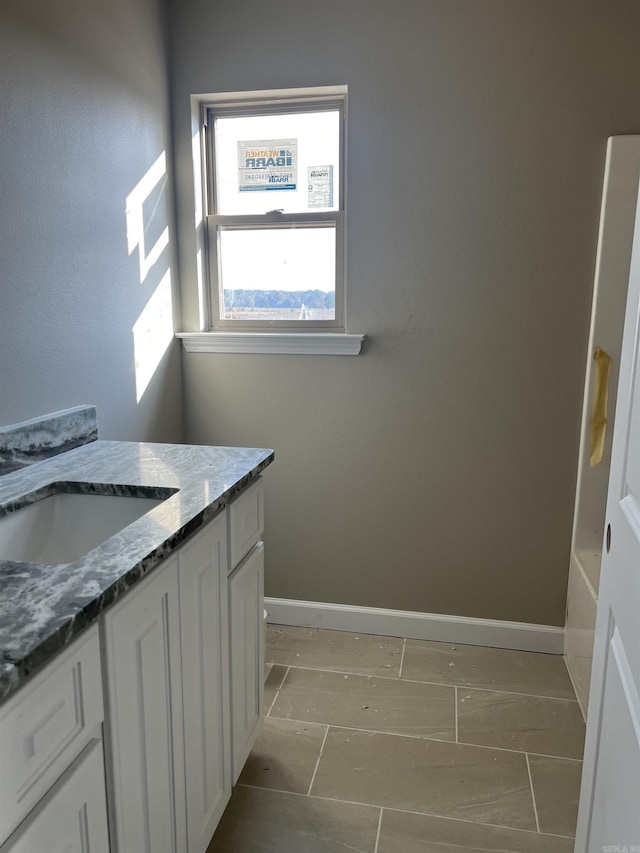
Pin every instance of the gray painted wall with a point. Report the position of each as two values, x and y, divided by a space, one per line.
83 116
435 472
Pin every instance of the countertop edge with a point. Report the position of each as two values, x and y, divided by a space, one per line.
15 676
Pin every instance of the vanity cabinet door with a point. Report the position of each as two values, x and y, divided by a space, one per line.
205 680
246 604
46 725
72 817
144 720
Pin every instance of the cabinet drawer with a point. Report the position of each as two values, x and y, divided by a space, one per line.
45 726
246 522
73 815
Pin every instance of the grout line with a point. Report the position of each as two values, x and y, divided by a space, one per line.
319 797
507 692
393 734
283 679
455 709
430 739
433 683
405 811
533 796
375 849
404 646
472 822
315 770
277 693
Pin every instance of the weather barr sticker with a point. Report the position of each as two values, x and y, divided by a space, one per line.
320 186
267 164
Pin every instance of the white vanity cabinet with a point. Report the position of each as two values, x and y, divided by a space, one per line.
184 654
180 657
167 725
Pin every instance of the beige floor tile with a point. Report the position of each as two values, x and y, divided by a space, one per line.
258 821
334 650
284 756
491 669
272 683
527 723
556 787
368 702
446 779
404 832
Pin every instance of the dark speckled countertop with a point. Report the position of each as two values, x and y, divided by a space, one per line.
43 607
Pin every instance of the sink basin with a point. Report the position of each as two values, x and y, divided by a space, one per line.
63 526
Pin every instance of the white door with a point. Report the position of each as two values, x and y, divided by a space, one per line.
609 816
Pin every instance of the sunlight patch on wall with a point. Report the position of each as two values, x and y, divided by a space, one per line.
147 214
152 334
135 213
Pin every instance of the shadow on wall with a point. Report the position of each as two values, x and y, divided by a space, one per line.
65 24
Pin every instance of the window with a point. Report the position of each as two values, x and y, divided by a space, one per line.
275 211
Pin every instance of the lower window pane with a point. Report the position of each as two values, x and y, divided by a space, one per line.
278 274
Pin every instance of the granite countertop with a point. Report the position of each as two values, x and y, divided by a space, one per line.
43 607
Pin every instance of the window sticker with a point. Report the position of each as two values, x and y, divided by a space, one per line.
267 164
320 186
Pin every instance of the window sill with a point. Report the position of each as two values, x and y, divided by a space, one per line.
283 343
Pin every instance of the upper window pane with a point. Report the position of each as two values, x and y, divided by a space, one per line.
281 161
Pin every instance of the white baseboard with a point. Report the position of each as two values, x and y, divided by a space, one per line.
417 626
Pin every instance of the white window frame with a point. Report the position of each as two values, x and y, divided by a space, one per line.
273 103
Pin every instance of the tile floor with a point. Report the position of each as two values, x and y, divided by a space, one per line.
384 745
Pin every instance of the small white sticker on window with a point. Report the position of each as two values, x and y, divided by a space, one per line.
320 182
267 164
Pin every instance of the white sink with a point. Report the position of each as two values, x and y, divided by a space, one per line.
62 528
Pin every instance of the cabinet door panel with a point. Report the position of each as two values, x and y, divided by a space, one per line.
72 818
246 604
246 522
144 722
46 725
205 679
